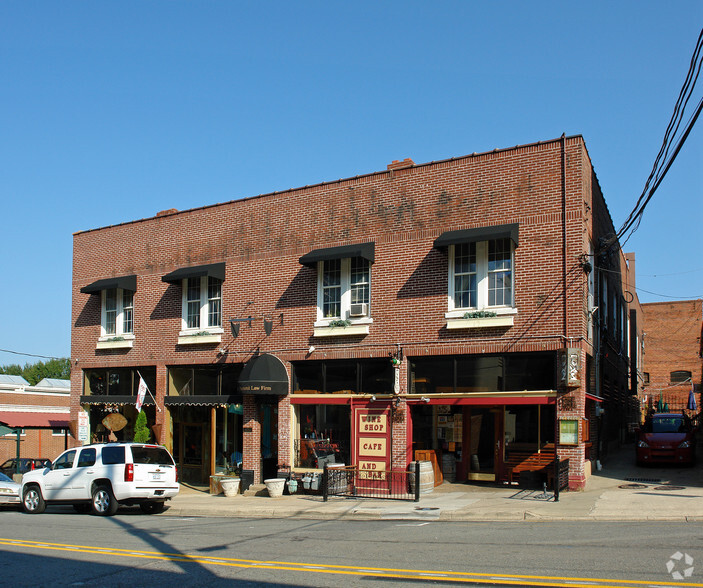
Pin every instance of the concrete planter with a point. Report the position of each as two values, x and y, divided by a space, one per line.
230 486
275 486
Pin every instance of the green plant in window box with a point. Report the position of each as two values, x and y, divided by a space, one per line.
479 314
340 323
201 333
118 338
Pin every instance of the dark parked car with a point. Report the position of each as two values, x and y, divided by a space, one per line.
666 438
9 468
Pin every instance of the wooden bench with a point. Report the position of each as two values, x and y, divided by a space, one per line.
527 461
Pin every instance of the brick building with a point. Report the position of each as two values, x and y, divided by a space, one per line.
673 362
449 306
41 415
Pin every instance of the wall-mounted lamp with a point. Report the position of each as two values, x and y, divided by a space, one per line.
312 348
373 398
221 351
424 399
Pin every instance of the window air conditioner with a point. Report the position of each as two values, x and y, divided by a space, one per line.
361 309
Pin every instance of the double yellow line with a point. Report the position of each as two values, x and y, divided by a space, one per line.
395 573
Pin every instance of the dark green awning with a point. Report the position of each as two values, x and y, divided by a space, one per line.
124 282
479 234
364 250
212 270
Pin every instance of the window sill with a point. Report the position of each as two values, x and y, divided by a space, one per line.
350 330
109 343
480 323
192 338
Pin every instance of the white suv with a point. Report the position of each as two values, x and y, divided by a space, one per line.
101 477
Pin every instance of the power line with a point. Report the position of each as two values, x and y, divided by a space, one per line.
31 354
664 160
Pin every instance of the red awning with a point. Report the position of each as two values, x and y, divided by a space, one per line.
35 419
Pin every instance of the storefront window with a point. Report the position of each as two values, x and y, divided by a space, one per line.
323 435
479 373
371 376
203 381
432 375
118 382
483 373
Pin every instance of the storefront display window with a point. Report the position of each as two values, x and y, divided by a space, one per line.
371 376
203 380
323 435
118 382
467 374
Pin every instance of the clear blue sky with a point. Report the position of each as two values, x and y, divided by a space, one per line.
113 111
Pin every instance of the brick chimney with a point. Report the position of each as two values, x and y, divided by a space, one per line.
407 162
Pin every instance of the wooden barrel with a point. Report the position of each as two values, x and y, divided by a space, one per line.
426 477
449 467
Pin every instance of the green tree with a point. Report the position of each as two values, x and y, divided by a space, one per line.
142 434
35 372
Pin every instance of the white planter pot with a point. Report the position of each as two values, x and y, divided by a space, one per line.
275 486
230 486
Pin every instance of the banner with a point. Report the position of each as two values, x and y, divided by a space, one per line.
141 392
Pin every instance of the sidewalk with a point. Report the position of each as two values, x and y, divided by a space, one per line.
621 491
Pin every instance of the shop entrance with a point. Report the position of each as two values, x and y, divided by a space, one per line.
189 451
485 443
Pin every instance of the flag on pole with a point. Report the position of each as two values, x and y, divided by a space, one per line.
141 392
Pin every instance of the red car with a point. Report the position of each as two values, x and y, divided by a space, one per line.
666 438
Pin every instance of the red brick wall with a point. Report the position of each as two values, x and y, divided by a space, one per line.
402 211
672 343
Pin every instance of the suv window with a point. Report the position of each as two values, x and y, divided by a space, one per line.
65 461
152 455
113 455
86 458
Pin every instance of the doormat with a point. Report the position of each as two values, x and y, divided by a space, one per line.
667 487
632 486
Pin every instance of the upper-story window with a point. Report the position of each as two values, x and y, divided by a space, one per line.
116 310
680 377
481 269
481 275
202 303
343 288
201 299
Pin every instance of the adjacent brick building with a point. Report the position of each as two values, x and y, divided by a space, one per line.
673 366
449 306
41 415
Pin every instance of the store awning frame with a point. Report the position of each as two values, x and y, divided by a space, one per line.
264 375
35 420
509 231
364 250
211 270
123 282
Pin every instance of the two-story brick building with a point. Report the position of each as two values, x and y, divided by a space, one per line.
447 306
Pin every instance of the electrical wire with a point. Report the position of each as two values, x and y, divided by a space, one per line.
31 354
664 158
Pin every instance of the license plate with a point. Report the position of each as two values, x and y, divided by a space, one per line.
156 476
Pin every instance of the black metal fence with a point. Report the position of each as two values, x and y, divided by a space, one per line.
388 484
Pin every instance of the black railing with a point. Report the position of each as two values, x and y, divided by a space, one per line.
358 483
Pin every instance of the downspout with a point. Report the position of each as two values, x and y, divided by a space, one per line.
564 306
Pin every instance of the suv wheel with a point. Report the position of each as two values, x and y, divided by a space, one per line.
103 501
32 500
152 507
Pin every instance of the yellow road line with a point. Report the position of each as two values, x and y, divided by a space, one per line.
399 573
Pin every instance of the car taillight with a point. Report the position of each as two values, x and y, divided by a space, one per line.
176 474
129 472
32 465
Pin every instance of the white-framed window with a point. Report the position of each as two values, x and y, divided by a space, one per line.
481 277
343 290
117 312
202 304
